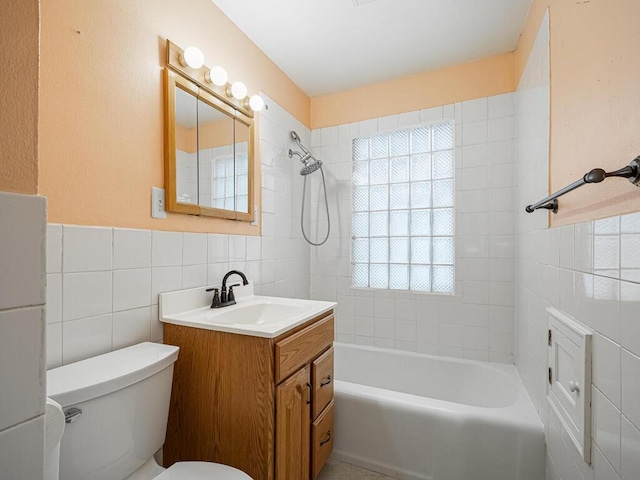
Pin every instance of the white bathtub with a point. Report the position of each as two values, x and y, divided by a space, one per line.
415 416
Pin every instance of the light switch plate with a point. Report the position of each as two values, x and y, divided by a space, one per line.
157 203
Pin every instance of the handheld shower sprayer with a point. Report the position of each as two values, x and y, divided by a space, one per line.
311 164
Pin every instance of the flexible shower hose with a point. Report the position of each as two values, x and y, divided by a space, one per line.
326 204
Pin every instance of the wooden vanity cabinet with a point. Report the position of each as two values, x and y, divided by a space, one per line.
263 405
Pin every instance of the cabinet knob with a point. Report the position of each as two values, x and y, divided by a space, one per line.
574 387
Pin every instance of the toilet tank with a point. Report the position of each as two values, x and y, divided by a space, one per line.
124 398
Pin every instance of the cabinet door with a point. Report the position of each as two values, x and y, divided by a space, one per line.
293 423
322 381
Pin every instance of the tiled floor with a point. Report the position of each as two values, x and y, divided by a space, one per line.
335 470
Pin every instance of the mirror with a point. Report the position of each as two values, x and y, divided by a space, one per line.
186 147
209 153
215 158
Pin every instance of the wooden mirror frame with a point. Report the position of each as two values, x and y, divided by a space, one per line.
248 216
185 78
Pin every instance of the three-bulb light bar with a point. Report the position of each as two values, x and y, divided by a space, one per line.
193 57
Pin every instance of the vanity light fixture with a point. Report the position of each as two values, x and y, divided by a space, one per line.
192 57
215 79
217 75
237 90
255 103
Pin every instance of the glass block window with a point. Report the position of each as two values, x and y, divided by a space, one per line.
403 210
223 188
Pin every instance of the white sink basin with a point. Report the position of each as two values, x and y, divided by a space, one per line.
252 314
257 314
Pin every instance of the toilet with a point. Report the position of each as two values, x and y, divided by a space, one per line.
115 408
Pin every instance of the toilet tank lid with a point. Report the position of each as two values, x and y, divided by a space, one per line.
104 374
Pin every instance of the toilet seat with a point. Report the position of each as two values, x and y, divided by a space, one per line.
201 471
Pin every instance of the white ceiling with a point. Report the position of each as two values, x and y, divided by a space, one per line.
327 46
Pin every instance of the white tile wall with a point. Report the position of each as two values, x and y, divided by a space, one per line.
86 249
104 294
579 269
195 249
166 249
22 450
20 350
131 327
22 330
485 230
131 288
86 294
54 248
630 450
131 248
86 337
23 252
606 428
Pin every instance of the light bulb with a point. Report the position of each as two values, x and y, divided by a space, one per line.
217 76
238 90
192 57
256 103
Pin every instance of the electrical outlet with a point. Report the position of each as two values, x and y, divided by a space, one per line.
157 203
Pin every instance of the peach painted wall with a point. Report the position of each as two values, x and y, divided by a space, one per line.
19 31
595 103
595 100
101 104
482 78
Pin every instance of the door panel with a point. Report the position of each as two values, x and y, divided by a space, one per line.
293 424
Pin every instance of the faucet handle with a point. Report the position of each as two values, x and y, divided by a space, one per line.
232 297
216 296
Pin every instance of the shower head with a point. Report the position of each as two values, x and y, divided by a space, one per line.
311 166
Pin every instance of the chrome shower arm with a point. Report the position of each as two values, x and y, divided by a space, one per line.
301 157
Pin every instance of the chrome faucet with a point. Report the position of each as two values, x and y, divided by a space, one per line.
224 299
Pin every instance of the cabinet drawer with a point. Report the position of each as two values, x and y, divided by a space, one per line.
322 381
301 347
321 440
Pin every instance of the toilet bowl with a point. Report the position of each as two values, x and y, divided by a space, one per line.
199 471
116 407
